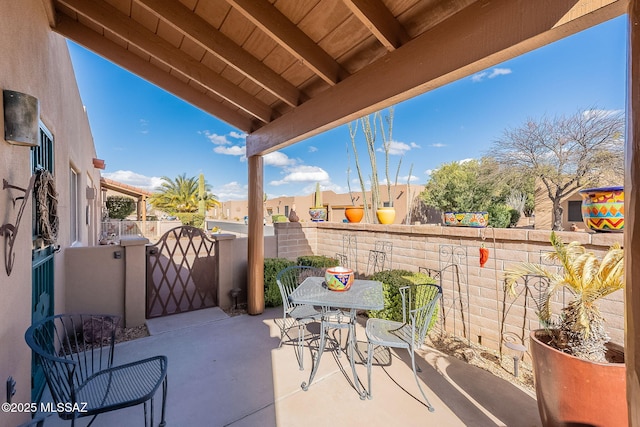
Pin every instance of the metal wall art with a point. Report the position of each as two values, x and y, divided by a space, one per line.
10 231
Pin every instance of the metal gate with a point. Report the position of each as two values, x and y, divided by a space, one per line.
182 273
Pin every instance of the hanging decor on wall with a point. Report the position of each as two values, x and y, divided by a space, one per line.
21 115
10 231
46 207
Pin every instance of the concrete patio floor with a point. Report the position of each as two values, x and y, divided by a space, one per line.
228 371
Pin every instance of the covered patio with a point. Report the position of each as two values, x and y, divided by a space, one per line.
283 71
228 371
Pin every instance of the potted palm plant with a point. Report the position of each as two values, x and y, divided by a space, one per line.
579 375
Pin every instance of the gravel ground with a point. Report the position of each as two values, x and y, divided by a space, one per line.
483 358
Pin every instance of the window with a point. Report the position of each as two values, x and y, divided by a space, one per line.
42 154
73 204
574 211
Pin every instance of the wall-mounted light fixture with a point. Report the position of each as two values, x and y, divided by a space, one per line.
21 115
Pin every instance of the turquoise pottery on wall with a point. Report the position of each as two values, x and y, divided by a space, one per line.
467 219
339 278
318 214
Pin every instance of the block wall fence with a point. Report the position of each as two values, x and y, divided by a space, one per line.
421 247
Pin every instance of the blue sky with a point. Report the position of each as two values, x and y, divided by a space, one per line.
144 133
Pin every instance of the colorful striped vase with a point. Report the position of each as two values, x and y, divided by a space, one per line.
603 208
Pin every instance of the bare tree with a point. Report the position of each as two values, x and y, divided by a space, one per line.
566 153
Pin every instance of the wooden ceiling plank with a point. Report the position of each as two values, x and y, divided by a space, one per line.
224 48
482 35
163 51
379 20
270 20
93 41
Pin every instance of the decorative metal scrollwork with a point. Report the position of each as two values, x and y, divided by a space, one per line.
10 231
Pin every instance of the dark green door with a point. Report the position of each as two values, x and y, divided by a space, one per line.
42 264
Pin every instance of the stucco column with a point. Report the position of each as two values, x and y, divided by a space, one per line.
134 279
255 255
226 260
631 226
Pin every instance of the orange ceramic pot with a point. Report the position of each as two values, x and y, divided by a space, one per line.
386 215
354 213
576 392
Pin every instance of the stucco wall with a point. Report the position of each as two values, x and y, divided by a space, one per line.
416 247
36 62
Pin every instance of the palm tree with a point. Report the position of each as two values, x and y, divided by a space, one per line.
581 329
181 196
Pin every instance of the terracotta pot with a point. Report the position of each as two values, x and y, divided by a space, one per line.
576 392
354 213
386 215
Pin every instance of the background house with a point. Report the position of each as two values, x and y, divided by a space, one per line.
406 199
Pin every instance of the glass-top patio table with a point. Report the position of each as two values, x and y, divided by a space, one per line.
363 295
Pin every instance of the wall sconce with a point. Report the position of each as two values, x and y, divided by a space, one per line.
21 115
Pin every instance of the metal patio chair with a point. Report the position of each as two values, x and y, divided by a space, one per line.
76 352
418 305
288 280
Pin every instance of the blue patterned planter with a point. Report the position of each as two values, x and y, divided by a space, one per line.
466 219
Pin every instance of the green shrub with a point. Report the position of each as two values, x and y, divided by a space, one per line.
392 281
318 261
120 207
515 217
499 216
272 266
193 219
279 218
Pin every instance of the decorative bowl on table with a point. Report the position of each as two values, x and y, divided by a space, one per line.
339 278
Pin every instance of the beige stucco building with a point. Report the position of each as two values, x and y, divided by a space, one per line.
36 62
406 199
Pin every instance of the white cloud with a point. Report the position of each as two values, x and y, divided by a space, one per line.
231 191
149 183
303 173
237 135
217 139
601 113
499 72
478 77
404 179
313 149
278 159
234 150
429 171
438 145
398 148
144 126
414 145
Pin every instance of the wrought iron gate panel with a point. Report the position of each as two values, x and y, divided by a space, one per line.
181 273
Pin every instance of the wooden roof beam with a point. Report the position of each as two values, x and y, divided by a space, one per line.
379 20
277 26
73 30
223 48
480 36
123 26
